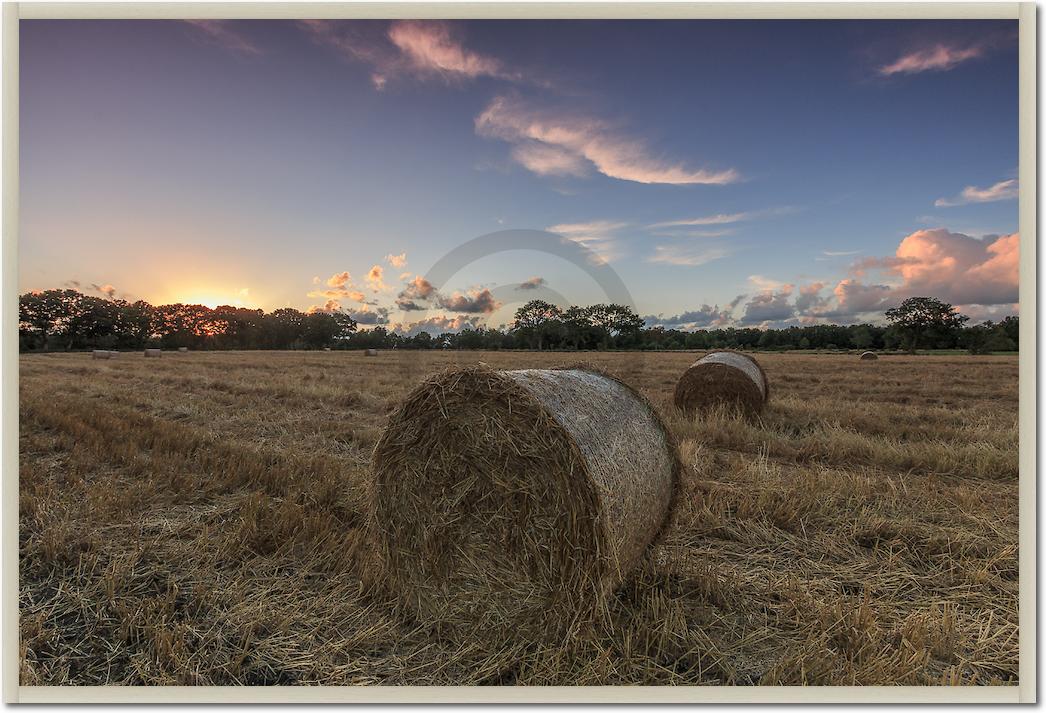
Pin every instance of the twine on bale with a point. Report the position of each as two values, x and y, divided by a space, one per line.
723 377
510 504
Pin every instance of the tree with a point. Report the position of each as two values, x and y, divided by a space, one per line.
535 321
921 318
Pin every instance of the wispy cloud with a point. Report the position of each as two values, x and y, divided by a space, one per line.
560 142
1001 191
677 255
717 219
222 34
936 58
419 49
839 253
599 236
430 48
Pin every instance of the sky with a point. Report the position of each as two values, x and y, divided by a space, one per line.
726 173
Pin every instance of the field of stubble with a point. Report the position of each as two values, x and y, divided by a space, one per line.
197 520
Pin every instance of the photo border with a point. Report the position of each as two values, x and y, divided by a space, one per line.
1024 692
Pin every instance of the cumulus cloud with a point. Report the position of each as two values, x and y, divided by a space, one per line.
106 290
374 279
706 316
532 284
339 293
770 306
338 279
939 58
1001 191
369 316
223 34
417 291
475 302
571 141
680 255
957 268
397 261
437 325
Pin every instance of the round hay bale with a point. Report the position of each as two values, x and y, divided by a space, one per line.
723 377
511 503
100 354
372 352
869 356
183 349
153 353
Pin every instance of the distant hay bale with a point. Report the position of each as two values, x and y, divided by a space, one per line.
153 353
100 354
511 503
869 356
183 349
326 349
723 377
372 352
113 353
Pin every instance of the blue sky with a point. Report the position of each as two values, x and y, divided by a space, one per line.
801 172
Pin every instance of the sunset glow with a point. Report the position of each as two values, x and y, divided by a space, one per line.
331 164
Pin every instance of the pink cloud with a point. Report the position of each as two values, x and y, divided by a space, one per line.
220 32
339 279
397 261
1001 191
430 48
374 279
436 325
475 302
940 57
583 139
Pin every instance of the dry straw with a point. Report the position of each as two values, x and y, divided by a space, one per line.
509 504
869 356
153 353
723 377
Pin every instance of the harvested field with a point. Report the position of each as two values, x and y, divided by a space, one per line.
200 522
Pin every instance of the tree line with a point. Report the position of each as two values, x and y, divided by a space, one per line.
67 320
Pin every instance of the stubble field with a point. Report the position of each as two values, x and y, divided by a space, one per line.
198 519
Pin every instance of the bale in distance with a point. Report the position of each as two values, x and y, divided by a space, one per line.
183 349
372 352
723 377
100 354
869 356
153 353
326 349
510 504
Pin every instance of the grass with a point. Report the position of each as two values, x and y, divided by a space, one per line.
198 519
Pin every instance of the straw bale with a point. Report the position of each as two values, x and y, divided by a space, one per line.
511 503
723 377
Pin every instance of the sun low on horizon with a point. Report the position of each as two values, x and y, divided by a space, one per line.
331 165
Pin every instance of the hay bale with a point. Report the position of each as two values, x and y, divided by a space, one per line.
372 352
153 353
511 503
326 349
723 377
100 354
869 356
183 349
